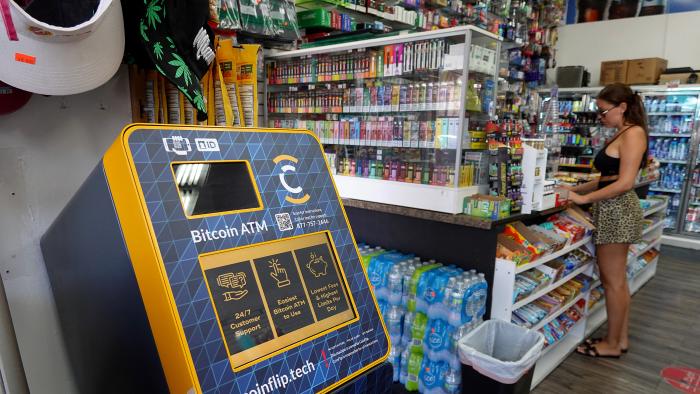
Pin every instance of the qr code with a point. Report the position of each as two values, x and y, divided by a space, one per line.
284 221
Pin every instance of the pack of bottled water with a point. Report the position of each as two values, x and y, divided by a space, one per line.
427 307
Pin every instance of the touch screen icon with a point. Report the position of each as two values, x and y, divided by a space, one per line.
279 274
233 281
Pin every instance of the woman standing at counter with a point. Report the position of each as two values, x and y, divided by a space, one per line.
617 214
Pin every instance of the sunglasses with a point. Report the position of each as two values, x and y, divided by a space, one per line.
603 113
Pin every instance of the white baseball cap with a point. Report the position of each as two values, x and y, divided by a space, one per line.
80 55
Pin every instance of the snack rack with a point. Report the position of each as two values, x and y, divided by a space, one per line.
592 316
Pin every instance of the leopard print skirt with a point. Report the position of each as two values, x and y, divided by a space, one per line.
618 220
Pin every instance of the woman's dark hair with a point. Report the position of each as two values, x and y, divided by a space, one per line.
618 93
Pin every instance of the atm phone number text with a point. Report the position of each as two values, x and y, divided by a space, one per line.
313 223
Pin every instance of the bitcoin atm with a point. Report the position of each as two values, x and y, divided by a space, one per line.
211 260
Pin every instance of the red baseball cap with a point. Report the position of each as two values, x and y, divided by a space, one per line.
11 98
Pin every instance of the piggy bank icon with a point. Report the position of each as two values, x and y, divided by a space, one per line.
317 265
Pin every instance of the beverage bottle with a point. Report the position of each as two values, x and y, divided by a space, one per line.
652 143
668 125
432 377
680 150
673 150
395 285
406 280
394 324
662 105
654 107
456 299
453 381
480 296
441 310
415 361
403 372
395 360
408 319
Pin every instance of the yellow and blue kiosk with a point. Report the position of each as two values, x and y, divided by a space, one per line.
211 260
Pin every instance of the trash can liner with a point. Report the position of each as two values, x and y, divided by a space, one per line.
501 350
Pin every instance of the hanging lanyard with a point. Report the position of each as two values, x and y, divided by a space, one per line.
7 18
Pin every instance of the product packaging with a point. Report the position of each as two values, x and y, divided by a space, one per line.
226 63
247 82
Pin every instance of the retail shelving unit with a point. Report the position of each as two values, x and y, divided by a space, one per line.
503 289
393 112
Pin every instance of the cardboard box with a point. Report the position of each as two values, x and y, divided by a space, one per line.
682 78
645 71
508 249
489 207
613 71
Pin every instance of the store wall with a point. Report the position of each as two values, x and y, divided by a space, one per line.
674 37
47 149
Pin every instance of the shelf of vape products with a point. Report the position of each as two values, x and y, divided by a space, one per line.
437 98
380 131
411 59
394 111
427 307
402 171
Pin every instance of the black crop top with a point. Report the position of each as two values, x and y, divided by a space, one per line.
610 166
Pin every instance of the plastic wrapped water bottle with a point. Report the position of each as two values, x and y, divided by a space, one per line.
395 285
480 297
395 360
394 324
456 299
403 371
453 381
407 328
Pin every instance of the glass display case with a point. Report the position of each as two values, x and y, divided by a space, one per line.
673 120
394 113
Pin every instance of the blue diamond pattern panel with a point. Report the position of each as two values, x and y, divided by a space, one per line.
329 358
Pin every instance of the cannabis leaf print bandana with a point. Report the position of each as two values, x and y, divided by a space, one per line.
164 54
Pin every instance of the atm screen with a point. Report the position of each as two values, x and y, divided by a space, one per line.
274 296
216 187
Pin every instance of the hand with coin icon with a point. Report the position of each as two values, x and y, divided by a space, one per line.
279 273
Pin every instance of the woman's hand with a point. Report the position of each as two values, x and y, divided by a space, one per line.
579 199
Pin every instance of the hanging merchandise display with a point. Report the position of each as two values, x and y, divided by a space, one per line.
54 47
180 45
224 15
236 260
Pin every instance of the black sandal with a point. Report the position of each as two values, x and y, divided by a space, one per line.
592 351
592 341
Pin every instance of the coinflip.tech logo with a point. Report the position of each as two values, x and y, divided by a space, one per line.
287 168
